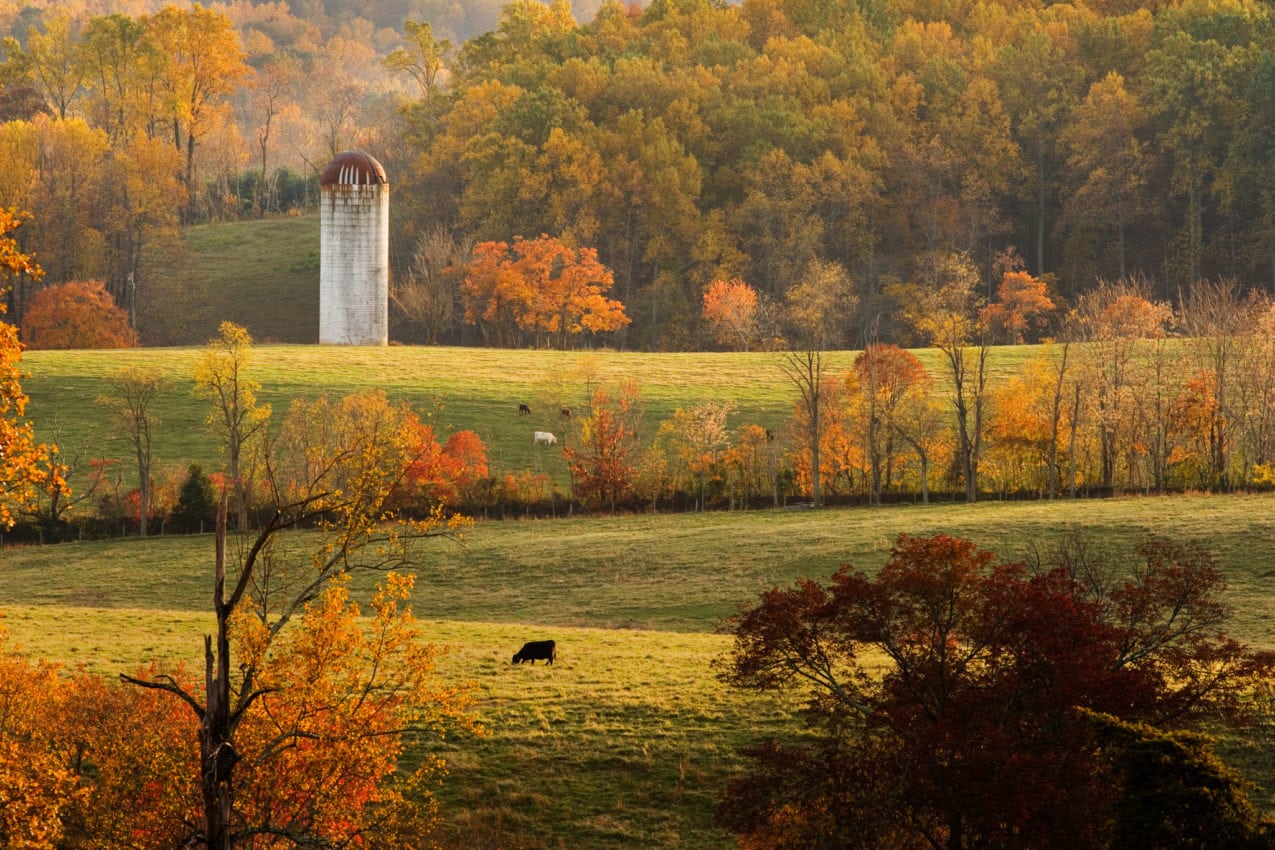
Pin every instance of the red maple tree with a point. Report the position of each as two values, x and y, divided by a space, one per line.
949 690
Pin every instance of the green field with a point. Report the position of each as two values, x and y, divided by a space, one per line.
459 388
625 742
628 739
262 274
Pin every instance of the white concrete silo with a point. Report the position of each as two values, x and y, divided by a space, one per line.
354 251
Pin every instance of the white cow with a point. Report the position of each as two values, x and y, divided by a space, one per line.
544 438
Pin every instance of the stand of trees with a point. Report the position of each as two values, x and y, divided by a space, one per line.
684 143
297 729
957 702
693 142
1121 403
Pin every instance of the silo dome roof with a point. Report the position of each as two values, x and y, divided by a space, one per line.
352 168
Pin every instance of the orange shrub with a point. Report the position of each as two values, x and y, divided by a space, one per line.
76 315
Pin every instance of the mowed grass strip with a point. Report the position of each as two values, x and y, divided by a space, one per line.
677 572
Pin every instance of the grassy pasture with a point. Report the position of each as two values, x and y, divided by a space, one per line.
672 573
624 742
263 275
459 388
627 740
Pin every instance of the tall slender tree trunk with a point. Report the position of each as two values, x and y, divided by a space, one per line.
805 370
1055 421
1071 447
143 492
216 747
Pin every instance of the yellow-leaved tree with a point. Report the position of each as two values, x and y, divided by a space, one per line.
222 376
302 713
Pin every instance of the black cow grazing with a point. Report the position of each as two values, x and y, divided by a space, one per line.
536 650
524 410
565 412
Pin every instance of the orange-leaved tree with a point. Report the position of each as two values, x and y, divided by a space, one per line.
751 464
1193 434
36 787
886 384
1023 428
26 467
464 462
136 758
1121 325
86 762
539 286
446 473
730 308
1022 308
342 698
602 466
79 314
334 470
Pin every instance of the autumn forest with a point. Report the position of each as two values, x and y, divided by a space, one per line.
862 149
981 249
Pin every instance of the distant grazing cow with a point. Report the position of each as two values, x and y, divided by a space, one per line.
536 650
544 438
565 412
524 410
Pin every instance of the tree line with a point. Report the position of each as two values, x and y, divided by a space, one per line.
686 143
691 142
1132 396
1116 404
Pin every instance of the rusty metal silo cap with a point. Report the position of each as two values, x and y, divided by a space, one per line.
352 168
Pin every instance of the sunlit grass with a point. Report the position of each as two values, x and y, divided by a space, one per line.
628 739
625 741
683 572
457 388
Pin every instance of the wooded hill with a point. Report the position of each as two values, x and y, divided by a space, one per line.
861 148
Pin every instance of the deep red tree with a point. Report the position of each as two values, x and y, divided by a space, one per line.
947 690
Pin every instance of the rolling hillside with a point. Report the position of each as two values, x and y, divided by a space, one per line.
627 740
263 275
